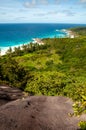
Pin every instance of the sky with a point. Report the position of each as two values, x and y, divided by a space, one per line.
43 11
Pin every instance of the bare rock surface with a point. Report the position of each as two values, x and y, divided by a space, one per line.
8 94
39 113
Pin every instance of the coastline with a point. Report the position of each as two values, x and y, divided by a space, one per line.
35 40
4 49
70 34
19 34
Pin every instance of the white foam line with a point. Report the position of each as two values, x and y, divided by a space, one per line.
4 49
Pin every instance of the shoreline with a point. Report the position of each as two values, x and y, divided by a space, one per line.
4 49
34 40
70 34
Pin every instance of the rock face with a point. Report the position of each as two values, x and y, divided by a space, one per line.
39 113
9 94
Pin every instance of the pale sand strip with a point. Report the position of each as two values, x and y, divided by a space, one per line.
35 40
4 49
69 33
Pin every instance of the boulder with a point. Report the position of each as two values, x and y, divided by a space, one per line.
8 94
39 113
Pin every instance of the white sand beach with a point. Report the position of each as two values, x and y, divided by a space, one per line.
38 41
35 40
69 33
4 49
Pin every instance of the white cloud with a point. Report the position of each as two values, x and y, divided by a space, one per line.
45 2
68 13
83 1
43 11
31 4
64 13
36 3
46 13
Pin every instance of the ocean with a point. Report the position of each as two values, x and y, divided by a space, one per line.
18 34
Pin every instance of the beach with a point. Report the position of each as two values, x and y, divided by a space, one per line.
14 35
5 49
36 40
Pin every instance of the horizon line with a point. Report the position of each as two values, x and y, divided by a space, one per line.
40 23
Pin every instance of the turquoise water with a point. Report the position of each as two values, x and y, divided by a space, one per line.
17 34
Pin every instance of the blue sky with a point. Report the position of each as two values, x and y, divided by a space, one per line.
43 11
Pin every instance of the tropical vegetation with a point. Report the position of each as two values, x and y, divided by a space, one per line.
58 67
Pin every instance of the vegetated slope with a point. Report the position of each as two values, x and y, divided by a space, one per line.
56 68
79 30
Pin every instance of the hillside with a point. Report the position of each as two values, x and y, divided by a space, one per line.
81 31
56 68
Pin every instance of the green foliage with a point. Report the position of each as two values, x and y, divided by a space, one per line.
56 68
46 83
79 108
39 67
79 30
82 125
11 73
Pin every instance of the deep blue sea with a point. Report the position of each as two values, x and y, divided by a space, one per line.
16 34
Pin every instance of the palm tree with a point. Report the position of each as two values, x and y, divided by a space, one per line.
9 51
0 52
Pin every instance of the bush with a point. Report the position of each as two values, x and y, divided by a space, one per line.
82 125
46 83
